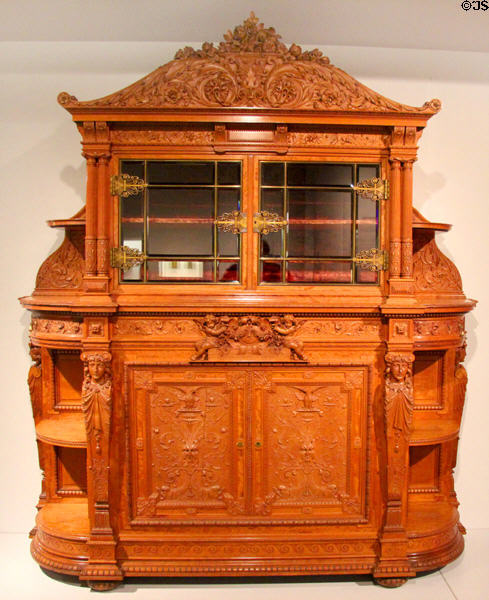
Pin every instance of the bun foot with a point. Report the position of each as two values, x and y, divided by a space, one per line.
102 586
390 582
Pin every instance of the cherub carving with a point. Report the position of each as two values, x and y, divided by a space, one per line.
96 394
215 329
284 327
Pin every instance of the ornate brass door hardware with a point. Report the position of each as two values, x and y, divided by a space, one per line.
125 185
234 222
266 222
124 257
374 189
372 260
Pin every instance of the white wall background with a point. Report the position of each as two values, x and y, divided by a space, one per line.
42 177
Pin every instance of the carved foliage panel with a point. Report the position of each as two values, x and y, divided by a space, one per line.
310 442
185 434
219 443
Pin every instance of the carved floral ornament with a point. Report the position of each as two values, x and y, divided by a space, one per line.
250 68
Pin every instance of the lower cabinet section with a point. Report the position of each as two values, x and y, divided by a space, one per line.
214 444
339 461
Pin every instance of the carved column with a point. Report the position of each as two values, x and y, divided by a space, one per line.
407 219
96 150
393 566
97 410
91 217
395 219
103 214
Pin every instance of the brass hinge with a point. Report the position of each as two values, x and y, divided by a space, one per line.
234 222
373 189
124 257
125 185
372 260
266 222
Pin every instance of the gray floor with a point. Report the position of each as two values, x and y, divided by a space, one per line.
464 579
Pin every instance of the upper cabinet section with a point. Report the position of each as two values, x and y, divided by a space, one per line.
246 175
250 69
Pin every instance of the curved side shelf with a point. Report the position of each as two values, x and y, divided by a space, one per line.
60 542
434 534
434 431
65 519
63 430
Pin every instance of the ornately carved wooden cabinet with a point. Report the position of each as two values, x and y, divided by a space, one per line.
247 351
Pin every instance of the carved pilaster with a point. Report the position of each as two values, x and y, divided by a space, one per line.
97 410
398 415
34 379
398 411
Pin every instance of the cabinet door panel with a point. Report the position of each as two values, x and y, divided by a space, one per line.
186 443
309 442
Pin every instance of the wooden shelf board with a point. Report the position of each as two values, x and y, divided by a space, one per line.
66 223
69 517
434 431
66 429
429 516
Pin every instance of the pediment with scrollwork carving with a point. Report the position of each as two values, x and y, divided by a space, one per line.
251 68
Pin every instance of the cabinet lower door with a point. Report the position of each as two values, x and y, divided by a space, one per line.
269 443
186 443
309 431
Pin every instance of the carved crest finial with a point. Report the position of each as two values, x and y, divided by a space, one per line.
252 37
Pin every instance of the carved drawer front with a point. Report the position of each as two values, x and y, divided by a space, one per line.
309 442
186 442
219 444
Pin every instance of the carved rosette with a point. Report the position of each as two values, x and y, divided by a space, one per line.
251 68
248 334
